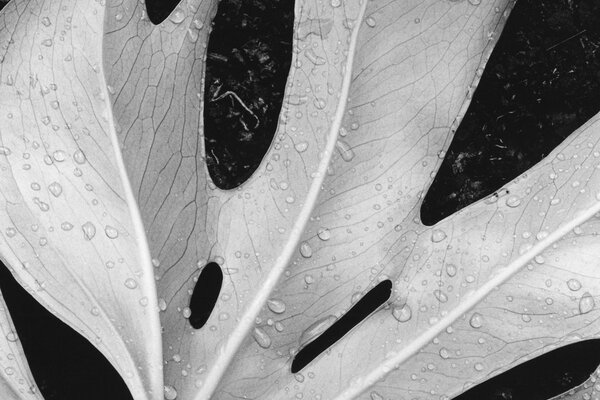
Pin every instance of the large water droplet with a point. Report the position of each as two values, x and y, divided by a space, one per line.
305 250
438 235
89 230
111 232
261 337
402 313
177 16
55 188
276 305
170 393
574 284
513 201
345 150
476 320
586 303
324 234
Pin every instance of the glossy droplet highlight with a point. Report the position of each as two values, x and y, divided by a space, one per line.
89 230
476 320
438 235
574 284
586 303
345 150
111 232
261 337
276 305
306 250
55 188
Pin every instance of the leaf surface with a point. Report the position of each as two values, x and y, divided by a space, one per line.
375 92
71 232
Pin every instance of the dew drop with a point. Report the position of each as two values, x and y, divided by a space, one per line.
5 151
170 393
55 188
261 337
451 270
66 226
403 313
177 16
345 150
59 156
574 284
324 234
89 230
371 22
513 201
476 320
130 283
111 232
47 42
301 147
79 157
586 303
438 235
305 250
276 305
46 22
441 296
335 3
12 336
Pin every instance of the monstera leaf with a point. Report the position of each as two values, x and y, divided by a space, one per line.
109 215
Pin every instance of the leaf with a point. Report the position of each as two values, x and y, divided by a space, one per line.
71 232
16 381
332 210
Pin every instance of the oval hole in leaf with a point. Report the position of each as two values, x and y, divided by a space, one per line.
540 84
249 57
206 293
543 377
64 364
369 303
159 10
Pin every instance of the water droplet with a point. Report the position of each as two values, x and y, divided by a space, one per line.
316 329
46 22
441 296
335 3
301 147
89 230
162 304
59 156
47 42
170 393
586 303
438 235
324 234
55 188
451 270
12 336
261 337
476 320
276 305
5 151
475 2
574 284
370 22
111 232
305 250
478 366
345 150
177 16
187 312
66 226
403 313
376 396
79 157
130 283
513 201
444 353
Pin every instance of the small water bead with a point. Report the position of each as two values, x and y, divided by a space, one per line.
261 337
376 396
513 201
35 186
478 366
59 156
301 147
79 157
5 151
111 232
438 235
574 284
11 232
451 270
444 353
54 104
475 2
47 42
66 226
476 320
187 312
309 279
162 304
177 16
12 336
170 393
586 303
89 230
324 234
441 296
275 305
55 188
370 21
130 283
46 22
402 313
335 3
144 301
306 250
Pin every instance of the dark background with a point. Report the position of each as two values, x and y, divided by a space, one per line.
541 83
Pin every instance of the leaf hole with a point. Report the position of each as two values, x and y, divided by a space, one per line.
540 84
159 10
248 60
205 295
368 304
543 377
64 364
